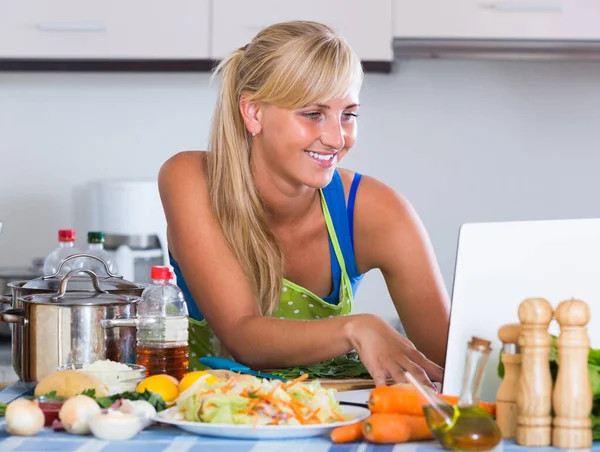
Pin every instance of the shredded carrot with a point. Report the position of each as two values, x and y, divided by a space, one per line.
308 390
297 380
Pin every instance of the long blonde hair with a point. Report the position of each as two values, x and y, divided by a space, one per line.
290 65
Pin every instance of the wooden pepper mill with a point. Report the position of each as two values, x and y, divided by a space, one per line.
572 397
534 395
506 397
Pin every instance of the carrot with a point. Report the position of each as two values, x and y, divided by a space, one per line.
386 428
406 400
347 433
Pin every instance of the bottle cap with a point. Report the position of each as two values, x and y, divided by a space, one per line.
162 272
66 235
95 237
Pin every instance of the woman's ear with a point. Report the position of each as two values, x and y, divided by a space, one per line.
252 115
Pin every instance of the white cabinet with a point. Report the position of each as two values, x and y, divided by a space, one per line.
105 29
366 25
497 19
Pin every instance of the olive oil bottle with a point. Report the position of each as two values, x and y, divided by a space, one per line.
466 426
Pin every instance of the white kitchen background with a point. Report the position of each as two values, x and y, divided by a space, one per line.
463 140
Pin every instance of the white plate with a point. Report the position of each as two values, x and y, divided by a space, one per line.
262 431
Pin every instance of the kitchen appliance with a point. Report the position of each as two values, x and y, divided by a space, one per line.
65 327
51 284
498 265
130 214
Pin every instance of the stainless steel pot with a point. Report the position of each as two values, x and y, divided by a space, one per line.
50 284
65 327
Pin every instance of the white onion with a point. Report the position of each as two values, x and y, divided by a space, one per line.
140 408
24 418
115 426
76 412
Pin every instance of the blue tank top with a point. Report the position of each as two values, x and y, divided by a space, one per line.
343 223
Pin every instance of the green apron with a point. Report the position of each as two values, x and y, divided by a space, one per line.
295 303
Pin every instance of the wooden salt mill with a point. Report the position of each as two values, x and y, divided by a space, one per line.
572 397
534 395
506 397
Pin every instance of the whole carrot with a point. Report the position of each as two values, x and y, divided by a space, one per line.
347 433
386 428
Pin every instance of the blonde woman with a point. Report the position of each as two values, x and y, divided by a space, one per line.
270 240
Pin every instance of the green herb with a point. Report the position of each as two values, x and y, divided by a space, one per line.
345 366
2 409
593 372
151 397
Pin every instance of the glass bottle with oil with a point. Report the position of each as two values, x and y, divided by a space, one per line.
466 426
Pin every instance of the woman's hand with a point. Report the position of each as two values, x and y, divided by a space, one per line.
387 354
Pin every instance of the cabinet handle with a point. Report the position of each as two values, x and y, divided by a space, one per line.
516 6
71 27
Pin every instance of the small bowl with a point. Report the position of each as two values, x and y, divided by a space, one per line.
50 406
117 381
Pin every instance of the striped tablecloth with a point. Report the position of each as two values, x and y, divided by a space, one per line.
163 438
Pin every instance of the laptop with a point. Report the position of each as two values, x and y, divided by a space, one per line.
498 265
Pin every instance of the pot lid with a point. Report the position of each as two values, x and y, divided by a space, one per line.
82 283
93 282
80 299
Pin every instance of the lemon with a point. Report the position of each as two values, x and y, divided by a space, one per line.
190 378
163 385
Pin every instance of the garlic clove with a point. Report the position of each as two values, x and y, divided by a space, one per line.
140 408
76 412
24 418
115 426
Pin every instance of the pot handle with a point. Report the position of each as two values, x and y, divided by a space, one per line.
117 323
62 288
7 299
80 255
14 316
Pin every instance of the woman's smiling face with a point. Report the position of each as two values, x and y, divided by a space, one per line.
304 146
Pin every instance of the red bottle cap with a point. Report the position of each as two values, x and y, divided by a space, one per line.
66 235
162 272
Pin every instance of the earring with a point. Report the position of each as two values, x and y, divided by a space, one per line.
253 134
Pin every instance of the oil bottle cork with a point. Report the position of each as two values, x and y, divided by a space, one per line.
534 395
572 397
506 397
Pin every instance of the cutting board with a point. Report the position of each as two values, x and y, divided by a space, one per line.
348 384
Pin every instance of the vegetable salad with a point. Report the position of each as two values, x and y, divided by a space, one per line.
244 399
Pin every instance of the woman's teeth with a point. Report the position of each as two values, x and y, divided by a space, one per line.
320 156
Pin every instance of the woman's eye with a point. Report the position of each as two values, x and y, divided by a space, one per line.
312 115
350 116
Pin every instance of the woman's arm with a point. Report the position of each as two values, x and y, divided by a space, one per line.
389 236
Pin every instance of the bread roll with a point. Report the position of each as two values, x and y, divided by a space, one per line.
68 383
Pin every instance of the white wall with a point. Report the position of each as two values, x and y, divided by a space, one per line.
464 141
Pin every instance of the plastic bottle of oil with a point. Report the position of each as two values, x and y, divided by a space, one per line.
162 326
468 427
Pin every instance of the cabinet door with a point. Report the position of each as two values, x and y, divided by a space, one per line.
104 29
367 25
497 19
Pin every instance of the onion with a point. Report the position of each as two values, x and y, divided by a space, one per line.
76 412
115 426
140 408
24 418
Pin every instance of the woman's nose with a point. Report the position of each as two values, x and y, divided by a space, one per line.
333 135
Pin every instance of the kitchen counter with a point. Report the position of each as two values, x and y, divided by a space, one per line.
163 438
